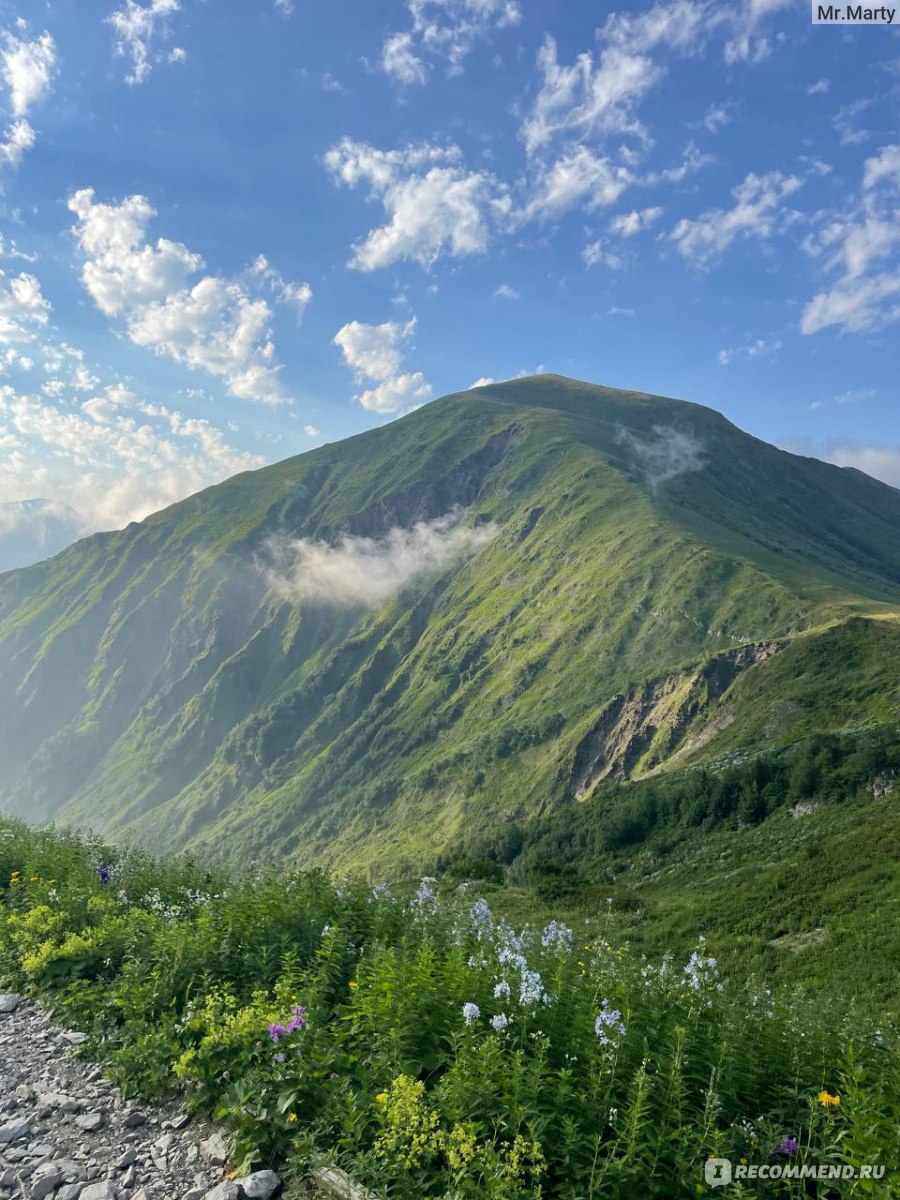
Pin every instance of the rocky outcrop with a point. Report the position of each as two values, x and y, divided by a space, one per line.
643 728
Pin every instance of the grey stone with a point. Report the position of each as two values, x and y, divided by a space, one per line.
226 1190
45 1181
90 1122
17 1128
260 1185
214 1150
70 1191
133 1118
9 1002
104 1190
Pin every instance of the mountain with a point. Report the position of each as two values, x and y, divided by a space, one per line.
34 529
478 613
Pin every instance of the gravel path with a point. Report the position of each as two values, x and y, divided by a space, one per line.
67 1133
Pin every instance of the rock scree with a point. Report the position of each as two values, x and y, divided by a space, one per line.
66 1133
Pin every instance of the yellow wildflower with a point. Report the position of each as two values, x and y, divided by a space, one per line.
292 1117
381 1098
827 1100
353 984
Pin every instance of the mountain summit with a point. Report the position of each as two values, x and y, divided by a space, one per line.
442 625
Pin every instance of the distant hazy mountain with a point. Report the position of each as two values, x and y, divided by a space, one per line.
446 624
31 530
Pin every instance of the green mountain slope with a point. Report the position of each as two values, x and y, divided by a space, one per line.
630 590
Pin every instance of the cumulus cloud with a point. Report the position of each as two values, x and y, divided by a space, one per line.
140 31
23 309
114 457
365 572
860 248
664 455
27 69
374 354
757 213
483 381
434 205
446 30
213 324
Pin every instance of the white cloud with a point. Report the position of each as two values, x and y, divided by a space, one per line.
292 295
757 214
213 324
27 69
717 116
752 348
400 61
615 311
284 7
434 205
505 292
23 309
484 381
845 121
374 354
596 253
628 224
9 249
366 572
138 28
114 458
819 88
578 176
312 431
600 96
861 248
446 30
882 462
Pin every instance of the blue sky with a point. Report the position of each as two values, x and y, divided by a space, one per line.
234 229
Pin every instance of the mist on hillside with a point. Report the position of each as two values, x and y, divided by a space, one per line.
665 455
363 571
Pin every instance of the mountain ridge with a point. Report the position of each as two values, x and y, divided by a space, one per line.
166 689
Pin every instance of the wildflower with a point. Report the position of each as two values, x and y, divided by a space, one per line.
471 1012
480 913
279 1058
701 972
557 936
609 1020
298 1019
104 874
531 988
277 1032
292 1117
827 1100
788 1145
352 984
425 897
381 1098
501 990
499 1022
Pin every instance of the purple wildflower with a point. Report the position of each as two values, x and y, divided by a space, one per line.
277 1032
788 1145
104 874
